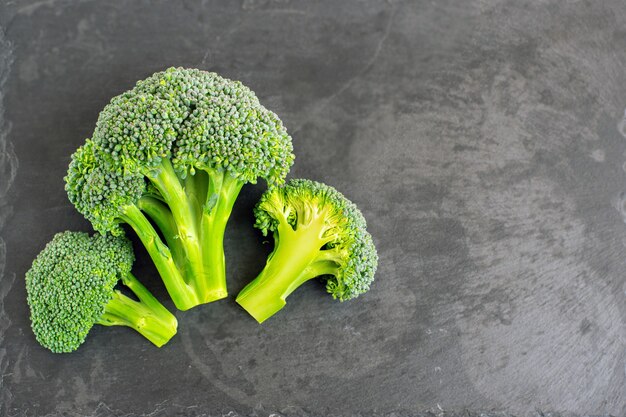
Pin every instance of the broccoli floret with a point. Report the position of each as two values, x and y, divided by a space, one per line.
179 147
107 198
317 232
72 285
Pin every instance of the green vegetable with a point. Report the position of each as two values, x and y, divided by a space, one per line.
70 287
317 233
177 149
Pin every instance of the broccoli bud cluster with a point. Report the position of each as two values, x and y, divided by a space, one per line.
70 283
100 194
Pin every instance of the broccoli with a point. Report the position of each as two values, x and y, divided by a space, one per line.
317 233
71 286
178 148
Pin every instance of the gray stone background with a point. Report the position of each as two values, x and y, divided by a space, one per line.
480 139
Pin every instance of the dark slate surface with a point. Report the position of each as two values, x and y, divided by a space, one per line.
480 140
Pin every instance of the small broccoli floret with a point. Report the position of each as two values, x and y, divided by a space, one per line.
179 147
317 232
102 195
71 286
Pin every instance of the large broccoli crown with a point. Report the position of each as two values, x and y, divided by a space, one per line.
224 127
196 118
98 193
348 243
70 283
200 120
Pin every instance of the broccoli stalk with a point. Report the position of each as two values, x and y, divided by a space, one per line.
222 193
147 316
297 257
317 233
74 283
199 211
187 238
181 293
178 148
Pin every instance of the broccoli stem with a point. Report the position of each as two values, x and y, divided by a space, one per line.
147 316
292 263
162 216
182 294
196 187
170 187
222 193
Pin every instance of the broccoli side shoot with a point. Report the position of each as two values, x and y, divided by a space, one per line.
71 286
108 197
317 233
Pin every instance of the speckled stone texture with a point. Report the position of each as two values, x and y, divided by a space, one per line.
478 137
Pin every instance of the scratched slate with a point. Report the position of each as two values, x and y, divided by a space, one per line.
481 140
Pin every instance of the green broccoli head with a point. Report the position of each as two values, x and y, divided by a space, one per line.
71 286
226 129
70 283
178 146
99 193
195 119
199 120
318 232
